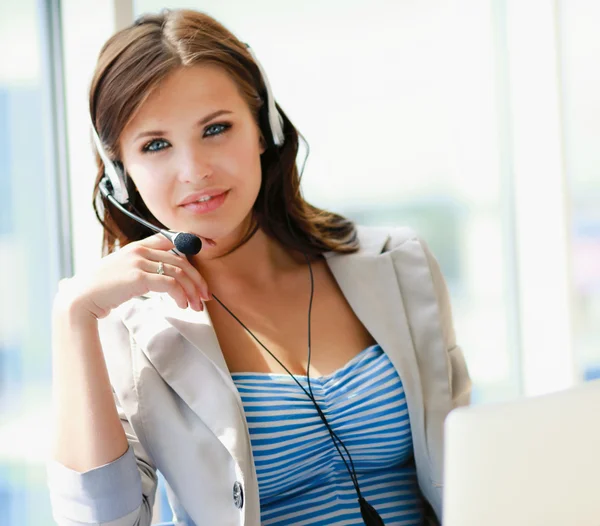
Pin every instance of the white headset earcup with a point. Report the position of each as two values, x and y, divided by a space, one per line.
275 118
119 184
112 171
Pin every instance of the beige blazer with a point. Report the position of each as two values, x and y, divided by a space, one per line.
183 415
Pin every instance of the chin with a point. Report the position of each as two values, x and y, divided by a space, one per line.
222 231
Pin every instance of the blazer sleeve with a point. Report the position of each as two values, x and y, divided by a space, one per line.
459 380
120 493
445 383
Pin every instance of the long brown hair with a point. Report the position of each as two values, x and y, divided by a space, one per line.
134 61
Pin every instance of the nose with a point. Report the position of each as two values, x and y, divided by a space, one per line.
194 164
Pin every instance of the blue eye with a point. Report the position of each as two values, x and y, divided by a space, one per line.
155 145
220 129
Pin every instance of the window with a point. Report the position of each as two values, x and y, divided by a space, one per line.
31 256
580 51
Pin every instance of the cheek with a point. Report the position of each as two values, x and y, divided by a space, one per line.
243 163
153 190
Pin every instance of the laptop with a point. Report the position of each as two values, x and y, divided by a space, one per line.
528 462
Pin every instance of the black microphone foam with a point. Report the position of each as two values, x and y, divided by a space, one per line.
187 244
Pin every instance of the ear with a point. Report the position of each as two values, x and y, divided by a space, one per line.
262 145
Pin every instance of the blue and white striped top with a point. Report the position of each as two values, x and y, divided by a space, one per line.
301 477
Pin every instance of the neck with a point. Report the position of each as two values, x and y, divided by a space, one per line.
261 261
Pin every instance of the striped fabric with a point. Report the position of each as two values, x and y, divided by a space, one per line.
302 479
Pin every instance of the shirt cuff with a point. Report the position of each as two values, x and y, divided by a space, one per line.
100 495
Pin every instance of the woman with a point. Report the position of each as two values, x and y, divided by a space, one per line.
296 370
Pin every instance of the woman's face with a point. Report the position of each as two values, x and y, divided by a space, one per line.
195 137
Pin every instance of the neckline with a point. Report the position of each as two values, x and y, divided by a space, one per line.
354 359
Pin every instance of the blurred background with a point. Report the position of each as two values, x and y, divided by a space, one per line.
476 122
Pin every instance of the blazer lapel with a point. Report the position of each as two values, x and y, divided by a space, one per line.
369 281
182 346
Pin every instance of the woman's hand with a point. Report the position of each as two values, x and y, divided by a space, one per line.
132 271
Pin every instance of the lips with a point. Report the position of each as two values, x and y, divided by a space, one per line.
196 196
203 207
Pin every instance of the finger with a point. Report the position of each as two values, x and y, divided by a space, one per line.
156 241
168 257
174 271
156 254
168 284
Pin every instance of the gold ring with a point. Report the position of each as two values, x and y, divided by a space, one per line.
161 268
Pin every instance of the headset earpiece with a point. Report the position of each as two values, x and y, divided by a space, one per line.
272 119
113 171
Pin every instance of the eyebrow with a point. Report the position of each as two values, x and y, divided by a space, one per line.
201 122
